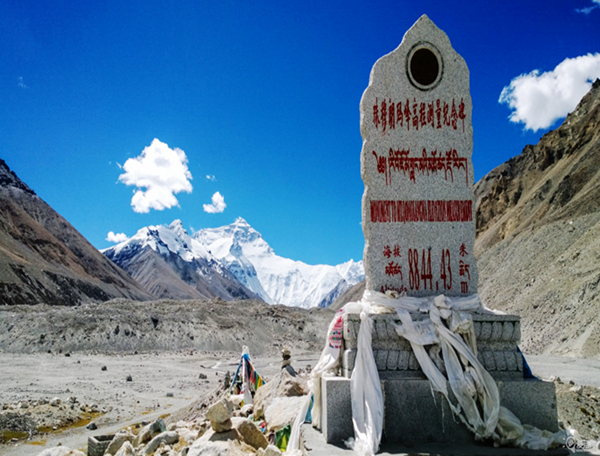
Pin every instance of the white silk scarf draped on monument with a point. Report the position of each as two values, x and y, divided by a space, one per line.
450 327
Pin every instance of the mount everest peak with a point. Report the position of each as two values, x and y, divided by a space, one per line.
239 253
275 279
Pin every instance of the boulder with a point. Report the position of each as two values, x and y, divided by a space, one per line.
149 431
227 447
250 432
187 435
168 437
245 411
272 450
219 415
282 411
282 385
117 442
126 450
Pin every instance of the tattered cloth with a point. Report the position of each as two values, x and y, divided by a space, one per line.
248 375
450 326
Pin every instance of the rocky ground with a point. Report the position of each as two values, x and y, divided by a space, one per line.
86 371
173 385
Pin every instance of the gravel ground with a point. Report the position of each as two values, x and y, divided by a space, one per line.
161 385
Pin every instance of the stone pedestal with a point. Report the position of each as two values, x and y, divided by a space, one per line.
497 340
414 415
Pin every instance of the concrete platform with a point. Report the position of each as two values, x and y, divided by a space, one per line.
414 415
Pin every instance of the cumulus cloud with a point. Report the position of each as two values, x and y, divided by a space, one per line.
211 177
589 9
21 83
116 238
159 173
218 204
538 100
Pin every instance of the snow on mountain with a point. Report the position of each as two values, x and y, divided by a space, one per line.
352 271
171 264
237 253
275 279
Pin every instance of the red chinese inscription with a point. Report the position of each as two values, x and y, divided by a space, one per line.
390 115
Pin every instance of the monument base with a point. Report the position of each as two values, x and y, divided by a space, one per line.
413 414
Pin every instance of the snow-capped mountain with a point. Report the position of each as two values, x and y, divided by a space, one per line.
275 279
169 263
233 261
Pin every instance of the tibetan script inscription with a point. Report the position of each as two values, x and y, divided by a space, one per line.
417 208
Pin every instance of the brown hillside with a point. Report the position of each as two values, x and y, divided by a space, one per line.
43 259
538 236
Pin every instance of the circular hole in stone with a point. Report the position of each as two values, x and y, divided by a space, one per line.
424 66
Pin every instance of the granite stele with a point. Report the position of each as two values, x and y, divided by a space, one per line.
419 225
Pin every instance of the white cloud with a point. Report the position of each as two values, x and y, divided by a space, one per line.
116 238
162 172
589 9
21 83
211 177
218 204
538 100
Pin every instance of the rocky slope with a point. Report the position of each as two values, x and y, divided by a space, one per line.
538 236
43 259
122 325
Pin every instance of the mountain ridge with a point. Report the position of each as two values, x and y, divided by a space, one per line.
43 258
167 261
236 249
538 236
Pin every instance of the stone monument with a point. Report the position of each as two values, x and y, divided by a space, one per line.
417 208
419 226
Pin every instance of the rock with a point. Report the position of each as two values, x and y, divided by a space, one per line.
92 426
118 441
202 376
219 415
129 378
284 384
187 435
149 431
55 402
282 411
220 444
126 450
247 410
576 389
291 385
104 368
60 451
272 450
168 438
250 432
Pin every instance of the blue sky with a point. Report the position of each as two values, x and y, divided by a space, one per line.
261 99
